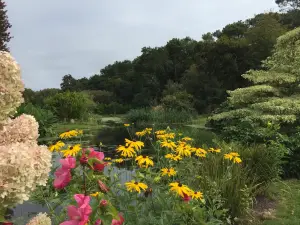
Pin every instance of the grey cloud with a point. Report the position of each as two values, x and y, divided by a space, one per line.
56 37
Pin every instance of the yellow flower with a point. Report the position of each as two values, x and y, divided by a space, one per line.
160 132
186 139
119 160
170 172
143 132
234 156
140 133
126 125
237 160
200 153
214 150
144 161
184 150
165 136
180 189
72 150
134 144
80 132
173 157
168 144
228 156
57 146
70 134
197 195
107 158
126 151
135 186
94 194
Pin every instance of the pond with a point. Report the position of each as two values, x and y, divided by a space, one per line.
111 136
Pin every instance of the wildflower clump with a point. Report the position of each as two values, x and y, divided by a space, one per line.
11 86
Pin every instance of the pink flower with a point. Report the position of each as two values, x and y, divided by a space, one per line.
99 156
118 222
186 198
103 203
79 215
63 175
98 222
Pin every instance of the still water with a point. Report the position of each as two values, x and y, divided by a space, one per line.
110 137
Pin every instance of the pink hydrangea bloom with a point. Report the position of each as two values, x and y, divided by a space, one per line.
79 215
63 175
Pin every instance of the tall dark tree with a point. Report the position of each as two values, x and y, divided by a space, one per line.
292 4
4 27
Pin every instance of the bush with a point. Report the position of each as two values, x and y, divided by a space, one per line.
146 115
70 105
112 108
45 118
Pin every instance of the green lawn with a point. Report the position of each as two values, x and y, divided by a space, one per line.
287 209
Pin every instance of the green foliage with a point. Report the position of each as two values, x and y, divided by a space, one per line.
112 108
70 105
158 116
45 118
272 98
294 4
4 27
38 97
175 97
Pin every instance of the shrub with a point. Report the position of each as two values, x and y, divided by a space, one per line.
112 108
45 118
70 105
146 115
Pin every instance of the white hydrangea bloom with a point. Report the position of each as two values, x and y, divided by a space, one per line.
40 219
11 85
21 129
23 166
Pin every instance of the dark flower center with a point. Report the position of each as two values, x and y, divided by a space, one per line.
144 157
136 183
71 147
179 185
195 192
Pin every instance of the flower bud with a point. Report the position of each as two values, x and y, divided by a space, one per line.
103 203
103 186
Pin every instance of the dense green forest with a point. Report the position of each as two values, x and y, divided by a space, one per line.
187 72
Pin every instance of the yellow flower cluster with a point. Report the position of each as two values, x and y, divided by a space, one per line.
144 132
129 150
70 134
136 186
233 156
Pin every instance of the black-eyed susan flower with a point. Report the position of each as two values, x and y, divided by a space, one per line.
168 144
140 133
135 186
70 134
107 159
159 132
168 172
120 160
126 151
201 153
71 150
234 156
180 189
144 161
186 139
197 195
126 125
137 145
183 150
173 157
165 136
216 150
57 146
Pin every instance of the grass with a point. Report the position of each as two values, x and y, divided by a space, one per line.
287 209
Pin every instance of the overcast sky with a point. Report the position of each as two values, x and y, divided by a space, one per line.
57 37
